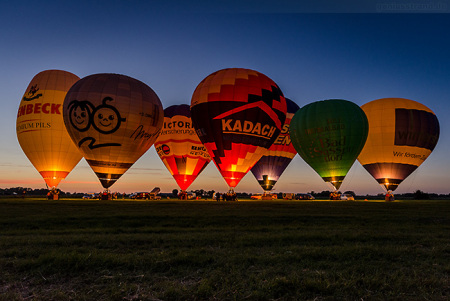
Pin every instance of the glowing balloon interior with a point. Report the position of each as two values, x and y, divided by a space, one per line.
402 134
40 126
238 114
329 135
272 164
179 147
113 119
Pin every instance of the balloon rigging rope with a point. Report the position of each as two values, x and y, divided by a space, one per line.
350 180
413 180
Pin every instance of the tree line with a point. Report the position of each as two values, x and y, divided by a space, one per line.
201 193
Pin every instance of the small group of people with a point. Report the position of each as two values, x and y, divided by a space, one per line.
229 196
182 195
108 196
335 195
389 197
53 194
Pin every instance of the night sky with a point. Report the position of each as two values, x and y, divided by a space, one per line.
358 52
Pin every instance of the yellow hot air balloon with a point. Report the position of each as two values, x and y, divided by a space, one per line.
113 119
402 134
40 126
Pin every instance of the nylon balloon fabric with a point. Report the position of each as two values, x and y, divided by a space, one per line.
329 135
272 164
402 134
179 147
113 119
237 113
40 126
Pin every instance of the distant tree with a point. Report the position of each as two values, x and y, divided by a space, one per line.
323 194
350 192
420 195
199 192
175 192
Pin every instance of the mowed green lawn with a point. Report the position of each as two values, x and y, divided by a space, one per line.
205 250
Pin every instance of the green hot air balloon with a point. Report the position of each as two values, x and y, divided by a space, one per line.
329 135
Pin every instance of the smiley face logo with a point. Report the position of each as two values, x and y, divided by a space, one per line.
80 114
106 119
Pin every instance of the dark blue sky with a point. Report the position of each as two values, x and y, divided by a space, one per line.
373 52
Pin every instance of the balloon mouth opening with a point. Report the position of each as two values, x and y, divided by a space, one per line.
335 181
266 183
335 185
389 184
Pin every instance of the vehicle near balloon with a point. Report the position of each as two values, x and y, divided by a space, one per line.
237 113
113 119
304 196
272 164
40 127
264 196
347 197
90 196
402 135
145 196
288 196
329 135
179 147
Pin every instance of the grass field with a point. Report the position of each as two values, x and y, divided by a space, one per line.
205 250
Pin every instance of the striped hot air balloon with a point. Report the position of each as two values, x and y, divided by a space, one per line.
179 147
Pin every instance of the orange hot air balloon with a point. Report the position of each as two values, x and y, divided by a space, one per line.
179 147
238 114
402 134
113 119
40 126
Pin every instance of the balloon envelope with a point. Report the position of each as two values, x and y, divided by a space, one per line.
402 134
272 164
40 126
329 135
113 119
238 113
179 147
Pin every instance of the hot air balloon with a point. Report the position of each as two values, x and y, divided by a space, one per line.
237 113
40 126
272 164
402 134
113 119
179 147
329 136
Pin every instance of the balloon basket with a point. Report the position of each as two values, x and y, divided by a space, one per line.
335 196
267 196
182 195
106 195
389 197
230 196
53 194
